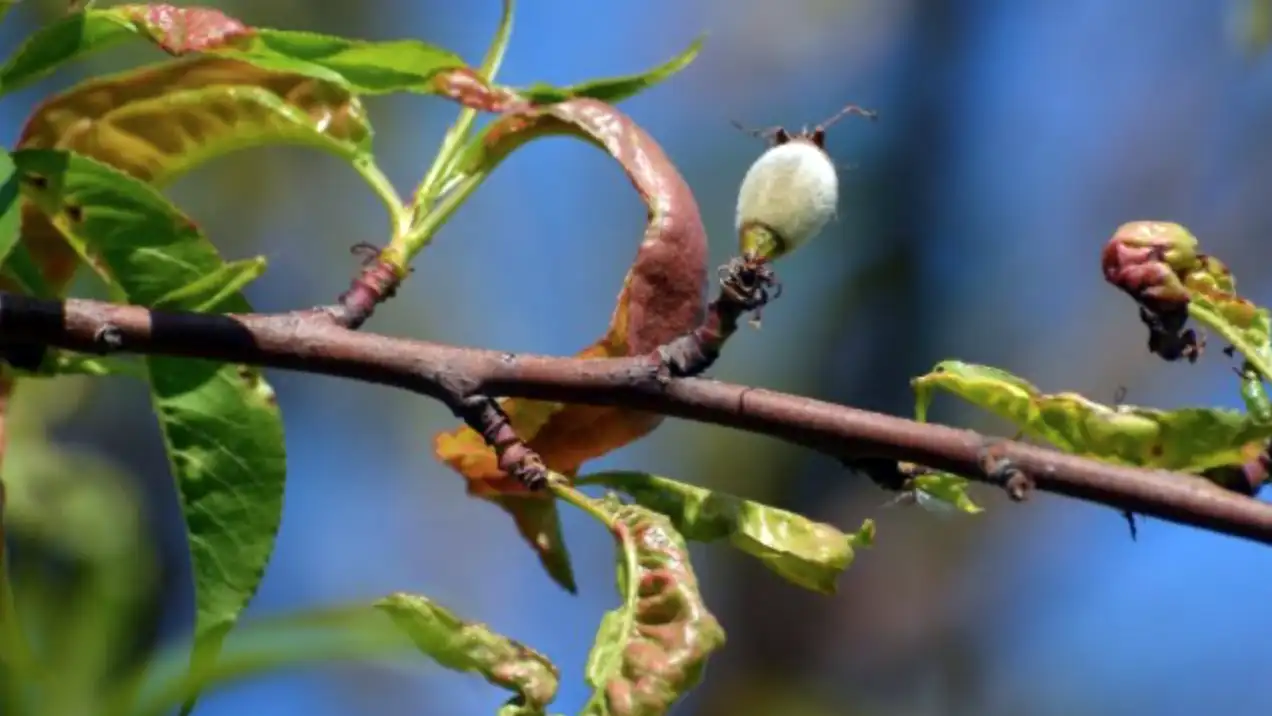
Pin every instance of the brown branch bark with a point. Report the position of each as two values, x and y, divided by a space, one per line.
462 377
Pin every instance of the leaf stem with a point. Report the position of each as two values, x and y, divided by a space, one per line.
444 164
399 216
560 486
421 233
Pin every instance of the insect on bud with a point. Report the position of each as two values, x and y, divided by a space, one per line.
791 192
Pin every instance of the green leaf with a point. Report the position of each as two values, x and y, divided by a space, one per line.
10 206
22 272
84 514
258 647
808 553
654 647
14 651
207 293
221 425
470 647
613 89
364 67
945 488
70 37
1255 395
1189 439
1246 326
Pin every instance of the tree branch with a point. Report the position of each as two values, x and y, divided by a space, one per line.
462 377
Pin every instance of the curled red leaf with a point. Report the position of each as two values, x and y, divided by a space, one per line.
662 297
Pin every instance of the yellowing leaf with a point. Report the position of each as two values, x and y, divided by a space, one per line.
1189 439
467 646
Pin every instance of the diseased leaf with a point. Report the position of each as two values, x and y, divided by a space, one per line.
221 426
1189 439
654 647
1160 265
663 295
68 38
363 67
808 553
1242 323
207 293
470 647
613 89
159 122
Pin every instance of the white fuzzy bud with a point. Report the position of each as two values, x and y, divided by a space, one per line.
787 197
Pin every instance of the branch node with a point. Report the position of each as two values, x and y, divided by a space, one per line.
747 284
516 458
376 283
1001 471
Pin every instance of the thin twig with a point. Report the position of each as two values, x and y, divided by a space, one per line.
452 374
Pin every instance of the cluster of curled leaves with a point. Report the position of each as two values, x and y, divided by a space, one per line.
82 190
1174 284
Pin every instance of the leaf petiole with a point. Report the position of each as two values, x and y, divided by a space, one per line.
562 489
399 215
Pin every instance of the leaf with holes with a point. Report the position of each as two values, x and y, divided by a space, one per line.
221 425
654 647
159 122
808 553
662 297
1189 439
471 647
